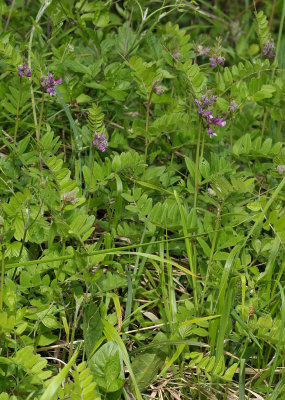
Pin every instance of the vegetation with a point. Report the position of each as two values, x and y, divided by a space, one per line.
142 222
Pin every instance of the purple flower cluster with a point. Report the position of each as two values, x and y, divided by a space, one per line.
100 141
23 70
49 83
208 114
214 60
268 50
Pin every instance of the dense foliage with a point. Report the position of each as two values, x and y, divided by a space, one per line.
142 219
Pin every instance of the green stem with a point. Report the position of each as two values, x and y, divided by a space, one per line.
188 246
218 219
60 265
40 120
17 112
42 9
74 326
279 130
280 29
203 144
197 165
264 123
90 181
231 135
2 278
147 122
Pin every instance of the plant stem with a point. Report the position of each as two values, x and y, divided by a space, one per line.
9 16
218 219
2 277
17 112
279 130
280 29
197 164
41 11
90 181
146 123
231 135
40 120
264 123
203 145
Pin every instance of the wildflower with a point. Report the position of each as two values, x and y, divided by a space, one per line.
211 192
214 60
211 132
49 83
280 169
233 105
158 89
203 51
100 141
70 196
268 49
218 121
208 114
23 70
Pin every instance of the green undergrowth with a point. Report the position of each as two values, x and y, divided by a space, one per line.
142 223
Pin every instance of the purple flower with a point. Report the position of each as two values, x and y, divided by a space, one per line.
268 49
49 83
211 132
208 114
218 121
23 70
100 141
233 105
214 60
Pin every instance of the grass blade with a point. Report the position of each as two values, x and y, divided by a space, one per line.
54 385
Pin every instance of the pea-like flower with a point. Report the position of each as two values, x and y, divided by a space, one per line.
233 105
100 141
49 83
208 114
211 132
23 70
214 60
268 50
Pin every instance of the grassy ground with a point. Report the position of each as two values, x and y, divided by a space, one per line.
142 223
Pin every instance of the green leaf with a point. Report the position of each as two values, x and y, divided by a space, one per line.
107 368
92 327
147 365
112 335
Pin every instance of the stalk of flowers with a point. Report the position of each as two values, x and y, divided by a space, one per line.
23 70
48 83
208 114
268 50
100 141
214 60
